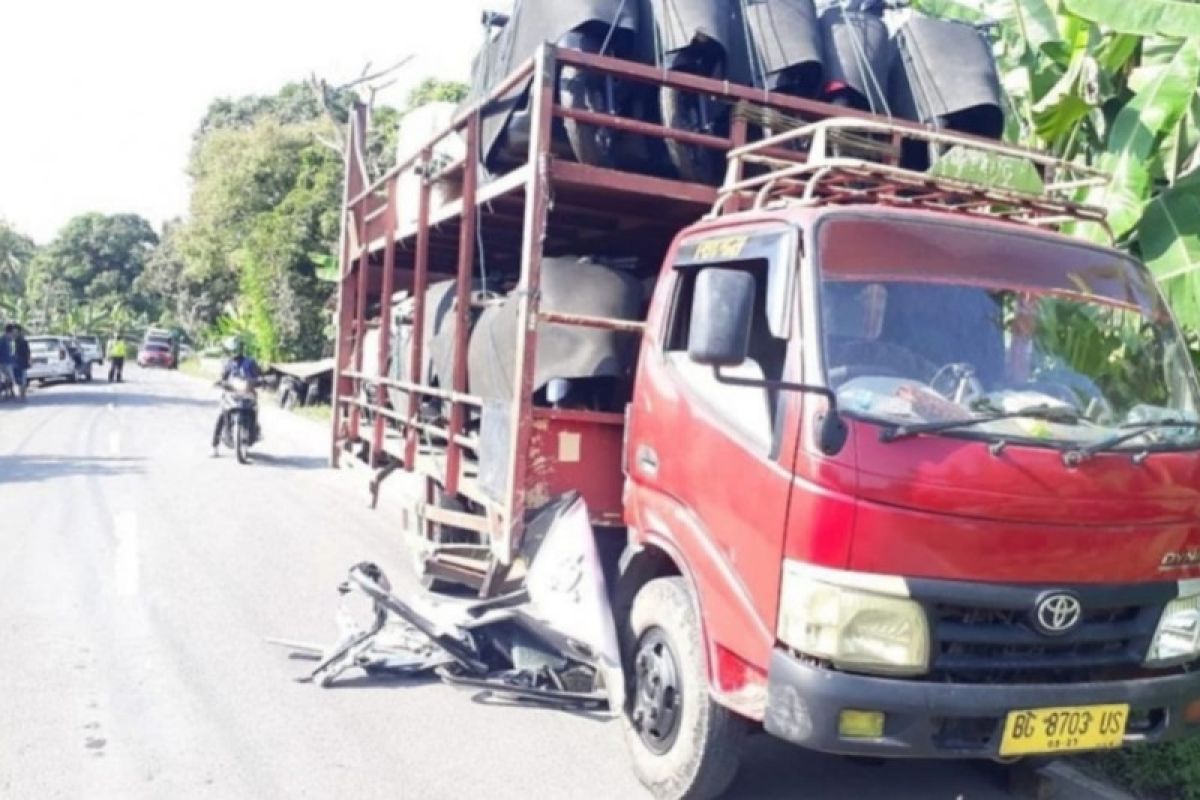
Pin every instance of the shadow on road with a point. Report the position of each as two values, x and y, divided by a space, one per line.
775 769
93 395
30 469
290 462
383 680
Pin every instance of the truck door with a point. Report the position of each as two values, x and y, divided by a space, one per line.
716 450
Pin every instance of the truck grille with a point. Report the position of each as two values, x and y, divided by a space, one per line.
992 639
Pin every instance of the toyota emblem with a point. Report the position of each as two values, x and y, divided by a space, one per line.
1057 613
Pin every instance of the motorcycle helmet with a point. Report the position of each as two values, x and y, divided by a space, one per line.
234 346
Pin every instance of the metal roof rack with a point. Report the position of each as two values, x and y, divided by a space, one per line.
855 161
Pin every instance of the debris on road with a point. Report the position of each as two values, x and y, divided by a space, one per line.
552 641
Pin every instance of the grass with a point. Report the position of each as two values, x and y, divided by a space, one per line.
319 413
198 368
1170 770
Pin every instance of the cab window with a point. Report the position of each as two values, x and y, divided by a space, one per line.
750 412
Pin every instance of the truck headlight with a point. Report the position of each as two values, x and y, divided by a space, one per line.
1177 639
859 622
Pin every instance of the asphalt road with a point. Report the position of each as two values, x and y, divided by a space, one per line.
139 579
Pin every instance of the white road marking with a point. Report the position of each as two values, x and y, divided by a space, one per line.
114 443
126 567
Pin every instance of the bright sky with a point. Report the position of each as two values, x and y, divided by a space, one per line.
100 97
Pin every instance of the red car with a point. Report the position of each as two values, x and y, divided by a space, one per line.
153 354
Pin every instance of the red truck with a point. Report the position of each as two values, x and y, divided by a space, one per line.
902 471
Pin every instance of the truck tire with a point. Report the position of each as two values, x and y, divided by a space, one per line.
580 89
692 163
240 446
691 748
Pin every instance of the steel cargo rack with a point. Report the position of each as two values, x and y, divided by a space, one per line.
461 224
856 161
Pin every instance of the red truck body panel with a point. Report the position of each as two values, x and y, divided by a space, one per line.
929 507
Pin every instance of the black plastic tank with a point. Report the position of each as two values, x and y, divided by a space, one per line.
589 368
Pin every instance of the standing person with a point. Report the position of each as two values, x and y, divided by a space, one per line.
8 355
21 362
117 350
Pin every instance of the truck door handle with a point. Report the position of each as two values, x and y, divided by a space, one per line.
647 460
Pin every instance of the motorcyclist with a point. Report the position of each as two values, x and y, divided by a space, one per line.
239 365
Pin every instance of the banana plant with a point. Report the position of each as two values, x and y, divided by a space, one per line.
235 324
16 309
1115 84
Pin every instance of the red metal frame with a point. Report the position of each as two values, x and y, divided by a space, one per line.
528 290
462 308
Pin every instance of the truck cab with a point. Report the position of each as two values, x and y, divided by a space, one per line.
920 483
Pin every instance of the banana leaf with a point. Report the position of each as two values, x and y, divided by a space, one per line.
1137 132
1142 17
1179 148
1037 24
964 10
1116 50
1169 241
990 169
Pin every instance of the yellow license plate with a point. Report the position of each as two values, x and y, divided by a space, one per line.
1064 730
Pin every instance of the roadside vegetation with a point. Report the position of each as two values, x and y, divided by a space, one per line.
1169 770
253 257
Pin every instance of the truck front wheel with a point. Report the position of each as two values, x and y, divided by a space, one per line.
683 745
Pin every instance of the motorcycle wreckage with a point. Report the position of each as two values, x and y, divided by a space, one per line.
551 642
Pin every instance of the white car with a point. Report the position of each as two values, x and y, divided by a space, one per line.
93 352
49 360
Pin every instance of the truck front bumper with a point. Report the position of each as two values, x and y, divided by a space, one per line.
951 720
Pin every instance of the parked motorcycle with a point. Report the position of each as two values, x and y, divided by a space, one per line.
239 416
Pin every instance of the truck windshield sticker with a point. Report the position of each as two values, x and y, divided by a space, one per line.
723 249
774 249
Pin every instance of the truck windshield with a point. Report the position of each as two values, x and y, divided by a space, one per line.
933 322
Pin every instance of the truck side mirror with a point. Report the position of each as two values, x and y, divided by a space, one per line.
722 308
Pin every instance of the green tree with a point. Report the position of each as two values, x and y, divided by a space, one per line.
16 255
94 261
185 297
266 194
435 90
265 216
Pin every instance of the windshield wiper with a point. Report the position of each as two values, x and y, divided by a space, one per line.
1060 414
1076 456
